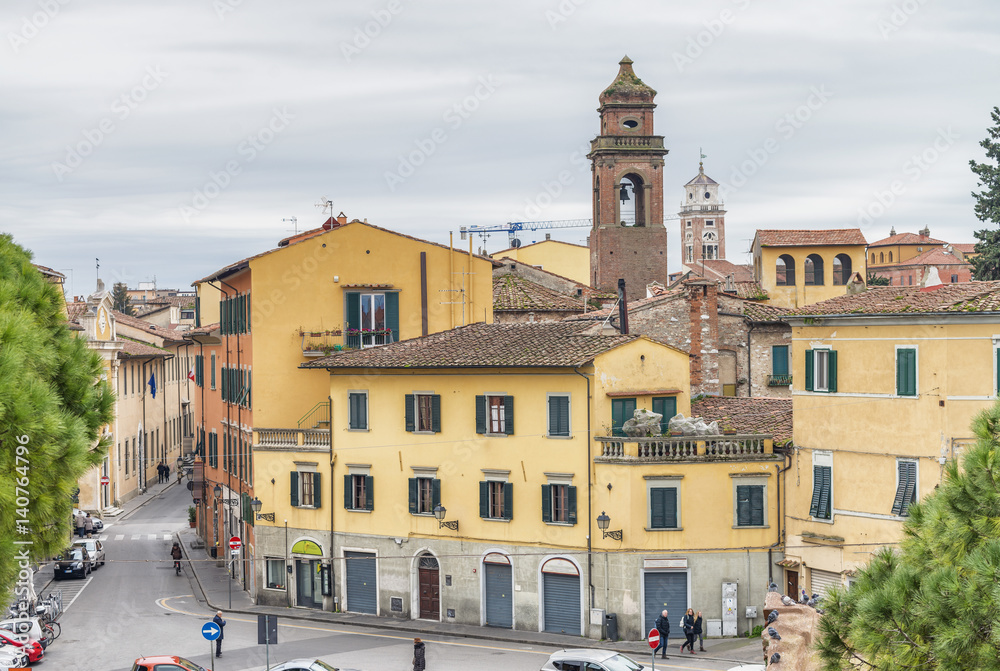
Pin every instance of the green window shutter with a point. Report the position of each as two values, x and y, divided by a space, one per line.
348 492
997 356
362 411
317 489
353 299
508 500
817 491
392 314
670 507
508 413
247 299
352 411
571 510
906 372
833 372
408 412
757 505
480 414
810 360
820 504
222 317
656 513
294 488
412 484
779 360
666 406
906 489
435 493
484 500
546 503
223 373
249 388
369 493
622 409
743 505
436 413
558 415
197 311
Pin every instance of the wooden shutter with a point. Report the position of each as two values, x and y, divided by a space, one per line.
508 500
435 493
757 505
317 490
408 412
906 488
353 299
348 492
369 493
666 406
412 483
436 413
743 506
779 360
480 414
558 415
810 359
832 375
820 505
571 508
906 372
484 500
294 484
392 314
197 311
663 508
247 299
508 414
546 503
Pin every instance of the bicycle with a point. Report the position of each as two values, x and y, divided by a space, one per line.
53 630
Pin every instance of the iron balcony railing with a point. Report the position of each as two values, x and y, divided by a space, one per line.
779 380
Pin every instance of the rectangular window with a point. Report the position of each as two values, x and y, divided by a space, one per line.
621 409
954 279
667 407
559 504
750 505
906 487
496 500
710 223
213 370
558 416
276 573
663 508
779 360
495 415
821 505
906 371
425 495
423 413
359 492
821 370
306 491
425 407
357 402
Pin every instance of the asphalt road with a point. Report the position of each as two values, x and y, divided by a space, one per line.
136 606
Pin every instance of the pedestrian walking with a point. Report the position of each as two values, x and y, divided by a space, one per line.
688 623
697 632
79 524
180 473
166 472
662 625
222 629
88 525
419 664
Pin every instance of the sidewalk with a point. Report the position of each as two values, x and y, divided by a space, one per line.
215 585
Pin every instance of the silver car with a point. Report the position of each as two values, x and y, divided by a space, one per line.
305 665
590 659
95 549
12 657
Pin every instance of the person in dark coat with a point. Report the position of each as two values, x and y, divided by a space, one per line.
662 625
222 629
419 664
688 630
697 633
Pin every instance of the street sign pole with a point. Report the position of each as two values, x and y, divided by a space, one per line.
234 547
653 638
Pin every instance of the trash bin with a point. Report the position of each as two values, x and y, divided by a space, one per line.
212 551
611 626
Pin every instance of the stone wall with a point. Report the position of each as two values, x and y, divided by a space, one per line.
761 340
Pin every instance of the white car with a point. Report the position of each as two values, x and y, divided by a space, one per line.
12 657
305 665
590 659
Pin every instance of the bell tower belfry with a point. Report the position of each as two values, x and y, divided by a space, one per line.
628 239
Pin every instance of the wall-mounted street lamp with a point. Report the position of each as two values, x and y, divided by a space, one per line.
217 490
439 512
257 504
602 523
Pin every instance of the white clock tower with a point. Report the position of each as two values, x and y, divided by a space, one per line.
703 221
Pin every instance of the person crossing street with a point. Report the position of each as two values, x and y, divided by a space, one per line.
222 628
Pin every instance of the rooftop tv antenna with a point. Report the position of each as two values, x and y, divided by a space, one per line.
326 204
295 224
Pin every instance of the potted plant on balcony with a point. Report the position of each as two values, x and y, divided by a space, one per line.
727 427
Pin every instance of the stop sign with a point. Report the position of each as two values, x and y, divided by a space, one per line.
235 543
105 480
653 638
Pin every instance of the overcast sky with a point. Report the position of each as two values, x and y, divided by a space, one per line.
170 139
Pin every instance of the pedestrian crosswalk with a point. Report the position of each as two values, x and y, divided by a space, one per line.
139 537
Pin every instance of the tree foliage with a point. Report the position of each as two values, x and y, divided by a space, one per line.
53 406
986 265
876 280
120 299
933 603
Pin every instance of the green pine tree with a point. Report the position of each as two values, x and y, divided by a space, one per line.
934 602
120 299
986 265
53 408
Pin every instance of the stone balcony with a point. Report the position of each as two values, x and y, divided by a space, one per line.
627 142
685 448
292 440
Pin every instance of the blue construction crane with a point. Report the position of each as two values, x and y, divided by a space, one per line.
512 227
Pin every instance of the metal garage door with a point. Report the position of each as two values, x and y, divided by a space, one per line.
561 594
664 591
362 593
821 580
499 595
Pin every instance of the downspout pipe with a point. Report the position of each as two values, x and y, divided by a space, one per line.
749 361
590 497
229 475
239 436
781 531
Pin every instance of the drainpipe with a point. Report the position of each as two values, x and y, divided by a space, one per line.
590 516
781 532
229 476
239 440
749 363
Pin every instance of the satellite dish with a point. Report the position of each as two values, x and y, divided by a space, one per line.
515 243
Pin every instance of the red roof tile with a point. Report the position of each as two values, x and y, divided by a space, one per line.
963 297
133 348
936 256
764 415
965 247
511 292
802 238
907 239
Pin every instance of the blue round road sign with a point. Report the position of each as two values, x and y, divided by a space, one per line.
211 631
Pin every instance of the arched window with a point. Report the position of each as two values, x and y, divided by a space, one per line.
890 257
785 271
814 270
873 258
881 257
841 269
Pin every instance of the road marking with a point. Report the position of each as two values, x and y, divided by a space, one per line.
136 537
120 537
167 537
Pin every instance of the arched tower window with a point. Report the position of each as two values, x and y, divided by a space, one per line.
841 269
632 197
785 271
813 270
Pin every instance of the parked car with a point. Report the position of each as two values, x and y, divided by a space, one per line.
32 648
30 626
305 665
165 663
748 667
94 547
12 656
74 562
590 659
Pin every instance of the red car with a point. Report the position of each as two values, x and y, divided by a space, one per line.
165 663
29 645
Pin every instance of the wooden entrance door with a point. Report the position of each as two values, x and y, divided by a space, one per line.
430 589
792 584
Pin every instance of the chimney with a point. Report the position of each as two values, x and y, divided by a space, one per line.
731 283
548 236
925 232
341 218
622 308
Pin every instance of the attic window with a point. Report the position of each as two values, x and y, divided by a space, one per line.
630 123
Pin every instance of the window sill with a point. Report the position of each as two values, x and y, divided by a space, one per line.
423 433
274 589
665 529
357 510
560 524
422 514
306 507
495 519
821 520
354 430
496 435
751 526
560 437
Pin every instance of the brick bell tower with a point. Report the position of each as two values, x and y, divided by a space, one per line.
628 239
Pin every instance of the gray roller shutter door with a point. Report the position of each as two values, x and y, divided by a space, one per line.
561 594
362 594
822 580
499 595
664 591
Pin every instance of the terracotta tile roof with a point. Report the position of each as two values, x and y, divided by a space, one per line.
763 312
660 295
800 238
49 272
511 292
161 302
749 415
932 257
963 297
531 345
720 269
74 310
144 326
507 261
965 247
134 348
202 330
907 239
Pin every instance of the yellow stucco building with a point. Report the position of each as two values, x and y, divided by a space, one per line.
561 258
801 267
886 383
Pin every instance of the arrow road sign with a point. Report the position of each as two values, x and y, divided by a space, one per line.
211 631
